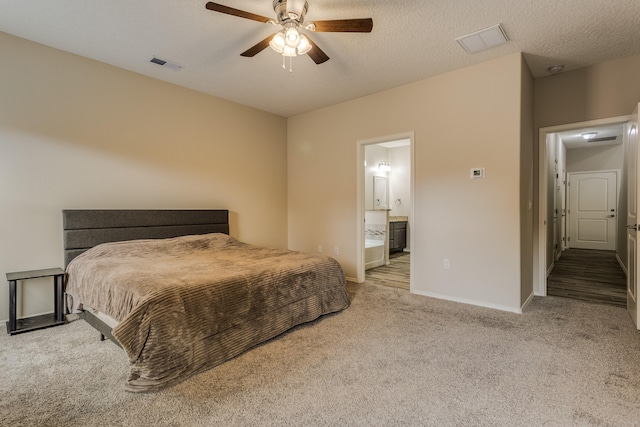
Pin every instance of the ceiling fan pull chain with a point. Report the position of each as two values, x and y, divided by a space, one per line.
291 64
284 67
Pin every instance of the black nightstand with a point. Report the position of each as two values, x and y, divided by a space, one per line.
17 326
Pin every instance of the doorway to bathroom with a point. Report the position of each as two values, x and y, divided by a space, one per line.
385 210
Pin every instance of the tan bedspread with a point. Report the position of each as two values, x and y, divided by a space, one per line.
190 303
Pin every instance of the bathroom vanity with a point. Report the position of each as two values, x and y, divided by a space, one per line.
397 234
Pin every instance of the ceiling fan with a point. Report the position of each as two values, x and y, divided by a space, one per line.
289 41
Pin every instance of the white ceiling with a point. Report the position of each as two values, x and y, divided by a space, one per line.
411 40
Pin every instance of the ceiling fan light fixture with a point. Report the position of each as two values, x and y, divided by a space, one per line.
290 42
289 51
304 46
277 43
292 37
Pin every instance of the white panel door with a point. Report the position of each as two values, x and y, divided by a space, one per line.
631 157
592 210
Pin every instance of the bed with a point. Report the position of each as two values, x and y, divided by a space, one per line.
180 295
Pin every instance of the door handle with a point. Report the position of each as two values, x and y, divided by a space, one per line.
632 227
611 216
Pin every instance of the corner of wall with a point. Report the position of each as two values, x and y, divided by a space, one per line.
527 141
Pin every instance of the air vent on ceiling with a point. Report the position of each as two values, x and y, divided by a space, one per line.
483 39
167 64
603 139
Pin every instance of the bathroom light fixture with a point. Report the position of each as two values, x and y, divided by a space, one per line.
589 135
384 166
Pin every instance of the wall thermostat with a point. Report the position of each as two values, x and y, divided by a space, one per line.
476 173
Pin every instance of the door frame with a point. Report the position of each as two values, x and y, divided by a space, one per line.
360 274
540 238
557 224
632 217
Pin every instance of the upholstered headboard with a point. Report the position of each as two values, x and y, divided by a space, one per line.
85 228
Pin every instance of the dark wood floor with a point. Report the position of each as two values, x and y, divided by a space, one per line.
589 275
396 274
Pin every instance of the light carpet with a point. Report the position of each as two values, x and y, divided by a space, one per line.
392 358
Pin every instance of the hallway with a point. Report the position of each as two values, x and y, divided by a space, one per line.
589 275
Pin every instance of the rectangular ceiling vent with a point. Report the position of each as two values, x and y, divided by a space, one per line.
167 64
604 138
483 39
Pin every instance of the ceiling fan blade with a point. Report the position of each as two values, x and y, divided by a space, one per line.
258 47
236 12
316 53
364 25
296 7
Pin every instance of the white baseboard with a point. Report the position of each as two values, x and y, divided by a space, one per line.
626 273
526 303
553 264
516 310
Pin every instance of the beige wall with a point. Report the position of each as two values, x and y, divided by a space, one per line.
604 90
595 158
463 119
75 133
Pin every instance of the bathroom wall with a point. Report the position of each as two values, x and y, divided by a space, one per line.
375 225
374 154
400 181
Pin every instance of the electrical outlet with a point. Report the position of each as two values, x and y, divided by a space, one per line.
446 264
319 249
336 250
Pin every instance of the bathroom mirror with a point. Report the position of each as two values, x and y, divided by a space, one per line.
380 193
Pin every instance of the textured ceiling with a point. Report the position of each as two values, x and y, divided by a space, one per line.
411 40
